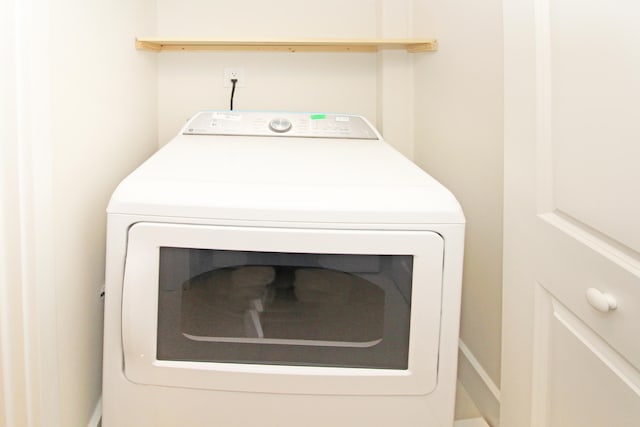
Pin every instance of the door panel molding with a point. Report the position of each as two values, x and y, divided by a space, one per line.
543 142
615 252
585 135
607 355
548 311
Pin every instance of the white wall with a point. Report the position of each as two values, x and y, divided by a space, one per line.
104 123
193 81
458 115
330 82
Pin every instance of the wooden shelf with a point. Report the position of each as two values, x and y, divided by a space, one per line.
293 45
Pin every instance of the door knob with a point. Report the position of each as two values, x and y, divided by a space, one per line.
601 301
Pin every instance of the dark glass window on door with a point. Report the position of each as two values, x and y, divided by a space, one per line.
284 308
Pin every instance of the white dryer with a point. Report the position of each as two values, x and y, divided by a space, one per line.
279 269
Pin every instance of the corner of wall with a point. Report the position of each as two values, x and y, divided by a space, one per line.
482 390
395 84
96 415
459 141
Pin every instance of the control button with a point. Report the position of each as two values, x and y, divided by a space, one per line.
280 125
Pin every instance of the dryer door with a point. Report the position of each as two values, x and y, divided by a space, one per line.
282 310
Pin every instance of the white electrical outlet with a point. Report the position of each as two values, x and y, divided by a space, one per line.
234 73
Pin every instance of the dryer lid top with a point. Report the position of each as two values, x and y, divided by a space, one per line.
292 179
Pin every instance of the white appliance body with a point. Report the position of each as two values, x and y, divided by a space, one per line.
281 268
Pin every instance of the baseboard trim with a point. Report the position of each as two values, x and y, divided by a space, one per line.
483 391
96 416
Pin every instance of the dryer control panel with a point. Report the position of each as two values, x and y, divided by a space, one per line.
300 125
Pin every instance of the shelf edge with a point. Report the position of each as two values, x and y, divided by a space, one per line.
318 45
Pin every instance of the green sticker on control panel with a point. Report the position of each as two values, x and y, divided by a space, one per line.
318 116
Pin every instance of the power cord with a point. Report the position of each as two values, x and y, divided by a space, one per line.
233 91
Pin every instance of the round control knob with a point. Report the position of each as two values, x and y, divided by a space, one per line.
280 125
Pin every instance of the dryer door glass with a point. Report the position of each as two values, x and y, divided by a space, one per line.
284 308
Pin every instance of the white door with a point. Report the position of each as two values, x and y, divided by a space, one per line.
571 313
